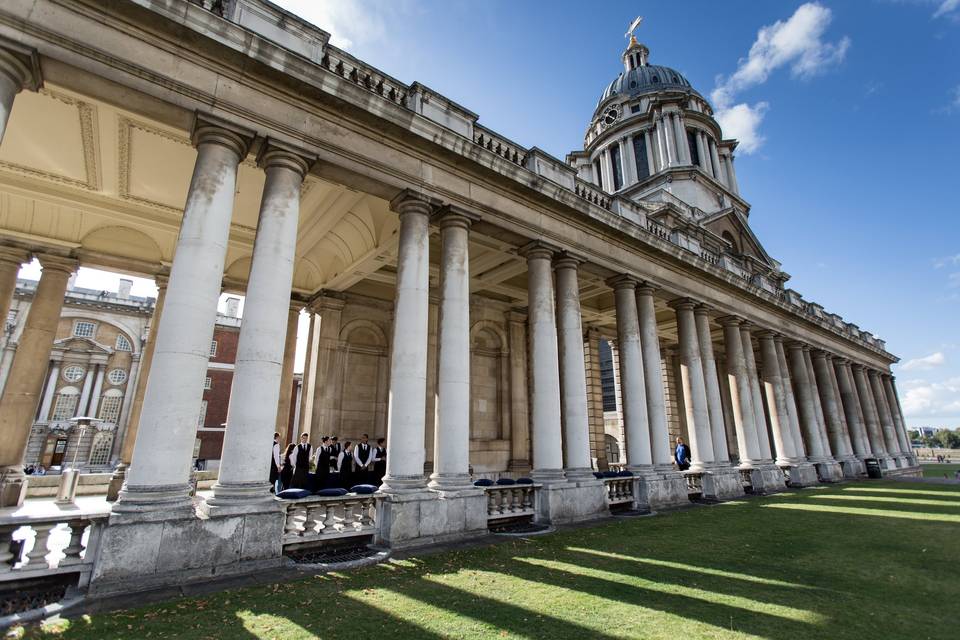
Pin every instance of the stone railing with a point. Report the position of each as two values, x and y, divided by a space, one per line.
619 490
694 482
746 480
364 76
45 545
317 519
499 145
511 501
710 256
658 230
591 193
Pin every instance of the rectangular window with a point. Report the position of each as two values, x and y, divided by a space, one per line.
207 384
202 418
692 143
640 155
617 167
213 348
110 408
82 329
598 173
635 108
66 406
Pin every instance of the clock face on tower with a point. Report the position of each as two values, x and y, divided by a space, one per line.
610 116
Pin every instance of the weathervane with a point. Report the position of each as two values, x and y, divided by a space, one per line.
633 27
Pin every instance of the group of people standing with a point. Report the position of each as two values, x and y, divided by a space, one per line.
334 464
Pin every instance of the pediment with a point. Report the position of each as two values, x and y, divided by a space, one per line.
730 225
74 343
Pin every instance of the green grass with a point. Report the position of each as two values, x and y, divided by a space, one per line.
936 469
866 560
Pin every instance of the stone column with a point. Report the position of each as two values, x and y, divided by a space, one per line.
777 402
632 380
19 69
309 376
807 409
451 445
325 387
831 413
817 406
732 175
10 262
49 392
870 415
760 420
741 393
844 427
680 132
666 124
519 414
702 153
573 381
408 355
694 387
903 441
286 376
629 162
712 382
136 401
792 413
905 434
85 389
544 367
886 421
852 409
648 144
123 418
18 404
158 479
715 158
255 393
97 387
653 378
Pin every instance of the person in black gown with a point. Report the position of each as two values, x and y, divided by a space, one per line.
363 458
323 464
345 466
301 469
286 468
275 463
380 461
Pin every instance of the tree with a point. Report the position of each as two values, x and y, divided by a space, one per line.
947 439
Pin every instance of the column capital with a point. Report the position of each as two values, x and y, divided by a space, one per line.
517 316
410 201
730 321
702 310
14 256
647 288
856 366
57 263
622 281
766 333
210 129
275 153
682 303
162 280
297 304
450 215
818 354
567 260
20 64
538 249
796 344
324 300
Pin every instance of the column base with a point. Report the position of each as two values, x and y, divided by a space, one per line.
154 503
828 470
766 478
548 476
13 487
560 503
117 479
404 484
722 483
663 488
420 518
800 474
852 467
581 475
519 468
238 498
450 481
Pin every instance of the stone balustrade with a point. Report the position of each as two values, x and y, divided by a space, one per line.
511 501
591 193
619 490
35 546
694 482
364 76
658 230
318 519
499 145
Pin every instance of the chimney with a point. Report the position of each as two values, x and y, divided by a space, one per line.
123 291
233 305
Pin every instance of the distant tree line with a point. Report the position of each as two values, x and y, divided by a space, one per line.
944 439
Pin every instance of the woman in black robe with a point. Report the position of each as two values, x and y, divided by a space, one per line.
345 466
380 466
286 468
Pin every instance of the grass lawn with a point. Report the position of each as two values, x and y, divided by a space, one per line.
936 469
866 560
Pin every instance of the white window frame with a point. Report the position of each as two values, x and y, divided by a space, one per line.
76 328
61 409
110 404
213 348
102 444
123 344
117 383
83 372
202 418
208 383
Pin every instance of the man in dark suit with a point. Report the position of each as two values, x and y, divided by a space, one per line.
363 458
301 468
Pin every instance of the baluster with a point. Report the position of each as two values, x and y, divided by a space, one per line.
329 524
504 496
528 496
315 513
36 559
365 517
7 559
292 526
71 553
348 513
491 503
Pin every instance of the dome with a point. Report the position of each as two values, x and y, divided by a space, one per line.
643 79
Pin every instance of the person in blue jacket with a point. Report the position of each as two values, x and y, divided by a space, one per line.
682 455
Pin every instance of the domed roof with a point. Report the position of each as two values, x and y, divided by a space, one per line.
645 79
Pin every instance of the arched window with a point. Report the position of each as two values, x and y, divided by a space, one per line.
122 343
100 448
726 235
612 448
110 405
66 404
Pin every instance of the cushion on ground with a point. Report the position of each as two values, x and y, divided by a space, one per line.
524 481
483 482
363 489
331 492
506 481
293 494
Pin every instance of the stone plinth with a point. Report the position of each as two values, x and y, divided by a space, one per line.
829 471
766 479
574 501
852 467
664 489
722 483
143 553
419 518
801 474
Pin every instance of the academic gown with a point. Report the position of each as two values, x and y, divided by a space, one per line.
301 472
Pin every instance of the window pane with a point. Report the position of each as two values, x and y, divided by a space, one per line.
640 154
73 373
692 143
66 406
615 165
213 348
117 376
110 408
84 329
100 449
123 344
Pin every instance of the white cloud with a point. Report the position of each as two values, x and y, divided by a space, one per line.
927 362
946 7
940 263
349 22
925 399
797 42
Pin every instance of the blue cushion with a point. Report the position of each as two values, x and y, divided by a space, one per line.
483 482
331 492
363 489
506 481
293 494
597 474
625 474
524 481
610 474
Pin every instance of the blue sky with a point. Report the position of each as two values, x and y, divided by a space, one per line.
850 112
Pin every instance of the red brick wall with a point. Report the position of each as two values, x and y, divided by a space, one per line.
226 338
